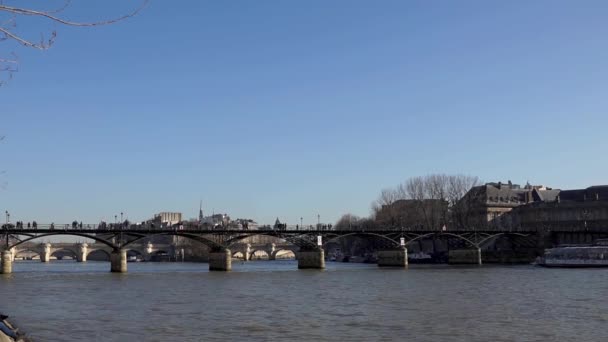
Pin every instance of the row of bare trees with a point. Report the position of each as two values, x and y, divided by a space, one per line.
427 203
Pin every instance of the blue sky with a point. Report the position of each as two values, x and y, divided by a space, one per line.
298 109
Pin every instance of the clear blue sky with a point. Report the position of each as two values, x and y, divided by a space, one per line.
293 109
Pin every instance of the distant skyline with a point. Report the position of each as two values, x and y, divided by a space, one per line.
298 109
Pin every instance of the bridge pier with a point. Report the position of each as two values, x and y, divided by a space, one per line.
393 258
45 256
312 259
83 249
220 260
465 256
118 261
247 253
7 262
272 251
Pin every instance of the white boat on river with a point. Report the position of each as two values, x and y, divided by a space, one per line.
577 256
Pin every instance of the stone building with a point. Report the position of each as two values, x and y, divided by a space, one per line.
507 206
570 210
486 207
169 218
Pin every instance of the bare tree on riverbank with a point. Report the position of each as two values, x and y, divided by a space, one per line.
9 15
354 222
427 202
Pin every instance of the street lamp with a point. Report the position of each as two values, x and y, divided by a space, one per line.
121 217
8 220
115 218
301 219
318 221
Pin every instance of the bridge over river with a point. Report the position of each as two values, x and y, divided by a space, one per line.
309 246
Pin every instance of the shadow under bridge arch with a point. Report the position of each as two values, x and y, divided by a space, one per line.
213 245
302 241
379 240
474 240
67 233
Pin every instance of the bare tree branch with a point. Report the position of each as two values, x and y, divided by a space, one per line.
49 15
8 29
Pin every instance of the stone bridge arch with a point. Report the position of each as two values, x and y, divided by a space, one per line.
278 251
300 241
260 254
31 250
93 251
70 251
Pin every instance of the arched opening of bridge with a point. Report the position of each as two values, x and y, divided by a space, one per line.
160 256
510 248
333 251
368 247
238 255
98 255
134 256
64 254
358 247
284 254
259 255
445 247
27 254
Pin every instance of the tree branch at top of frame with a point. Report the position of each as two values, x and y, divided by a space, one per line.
8 30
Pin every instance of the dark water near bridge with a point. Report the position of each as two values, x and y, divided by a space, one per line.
272 300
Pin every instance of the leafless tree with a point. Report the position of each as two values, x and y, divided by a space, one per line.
350 221
430 202
384 209
462 199
347 221
9 15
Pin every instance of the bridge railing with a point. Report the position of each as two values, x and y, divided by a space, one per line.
563 226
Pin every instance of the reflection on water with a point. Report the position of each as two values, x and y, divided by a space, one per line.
268 300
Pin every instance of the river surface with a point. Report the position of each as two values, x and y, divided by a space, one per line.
272 300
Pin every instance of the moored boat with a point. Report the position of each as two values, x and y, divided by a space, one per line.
595 255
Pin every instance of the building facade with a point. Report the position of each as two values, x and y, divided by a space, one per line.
168 218
507 206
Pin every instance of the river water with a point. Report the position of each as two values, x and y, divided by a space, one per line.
272 300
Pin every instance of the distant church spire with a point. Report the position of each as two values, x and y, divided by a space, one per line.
200 212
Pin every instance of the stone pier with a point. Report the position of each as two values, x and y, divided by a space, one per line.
314 259
393 258
45 256
7 263
247 253
272 251
13 252
118 261
83 250
220 260
465 256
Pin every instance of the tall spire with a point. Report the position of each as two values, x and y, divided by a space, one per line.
200 212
